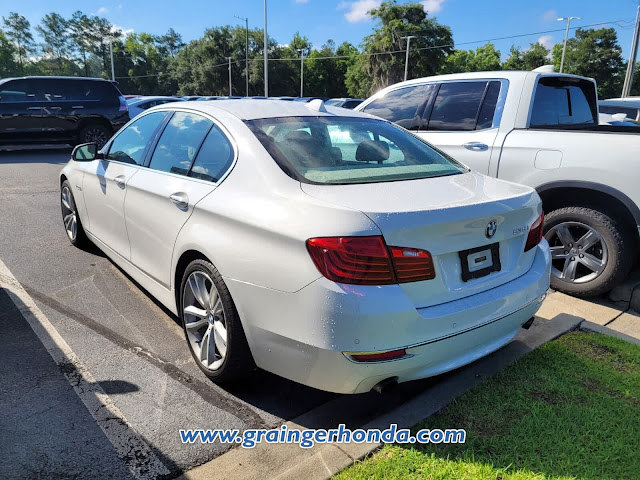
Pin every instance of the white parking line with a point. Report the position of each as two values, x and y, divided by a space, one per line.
137 455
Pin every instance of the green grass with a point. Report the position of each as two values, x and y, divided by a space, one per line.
568 410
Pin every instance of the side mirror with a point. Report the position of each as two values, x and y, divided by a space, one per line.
85 152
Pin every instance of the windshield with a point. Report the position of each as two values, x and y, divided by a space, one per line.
342 150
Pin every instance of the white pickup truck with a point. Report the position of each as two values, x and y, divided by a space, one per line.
539 129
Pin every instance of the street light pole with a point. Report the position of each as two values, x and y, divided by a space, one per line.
266 54
566 36
230 93
113 70
406 60
246 53
631 66
301 50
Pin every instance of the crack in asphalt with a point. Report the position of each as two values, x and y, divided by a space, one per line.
200 388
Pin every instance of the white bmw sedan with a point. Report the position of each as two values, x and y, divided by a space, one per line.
321 244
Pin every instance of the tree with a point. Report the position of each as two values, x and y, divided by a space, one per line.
535 56
19 31
483 59
597 54
375 69
170 43
8 66
82 35
55 32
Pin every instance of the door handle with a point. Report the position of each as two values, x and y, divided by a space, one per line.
120 181
76 107
476 146
180 200
34 108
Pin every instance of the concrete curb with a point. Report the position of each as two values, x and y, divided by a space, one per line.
594 327
288 461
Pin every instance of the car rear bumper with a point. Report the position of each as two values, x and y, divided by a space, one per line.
306 335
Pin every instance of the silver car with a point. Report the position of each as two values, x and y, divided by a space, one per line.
324 245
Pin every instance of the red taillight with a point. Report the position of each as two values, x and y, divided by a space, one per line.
535 233
123 104
412 264
378 357
367 261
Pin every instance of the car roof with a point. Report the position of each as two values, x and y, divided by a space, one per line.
43 77
620 102
252 109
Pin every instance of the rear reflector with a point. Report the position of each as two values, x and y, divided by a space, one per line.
535 233
378 357
368 261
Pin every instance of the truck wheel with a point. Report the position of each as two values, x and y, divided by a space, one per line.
591 251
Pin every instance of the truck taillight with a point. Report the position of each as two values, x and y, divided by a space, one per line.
367 260
535 233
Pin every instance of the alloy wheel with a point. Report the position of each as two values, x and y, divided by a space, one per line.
69 214
578 252
204 320
96 135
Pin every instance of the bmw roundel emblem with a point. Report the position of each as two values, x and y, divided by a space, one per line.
492 227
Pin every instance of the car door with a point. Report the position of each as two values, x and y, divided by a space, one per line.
20 112
160 199
462 121
105 181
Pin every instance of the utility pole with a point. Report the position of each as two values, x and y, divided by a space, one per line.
246 52
628 79
301 50
266 54
230 93
566 35
406 59
113 70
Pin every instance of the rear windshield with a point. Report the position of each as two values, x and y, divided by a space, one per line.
564 103
342 150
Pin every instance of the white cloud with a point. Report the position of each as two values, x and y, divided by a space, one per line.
102 10
123 30
549 16
432 6
546 41
358 11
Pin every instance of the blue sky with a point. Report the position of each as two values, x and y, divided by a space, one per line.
340 20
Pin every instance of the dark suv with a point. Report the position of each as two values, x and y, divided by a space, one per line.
60 110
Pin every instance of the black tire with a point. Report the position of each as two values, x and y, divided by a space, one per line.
616 256
94 133
238 361
76 236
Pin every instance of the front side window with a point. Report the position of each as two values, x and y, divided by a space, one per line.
343 150
563 102
130 144
214 158
401 106
180 142
18 91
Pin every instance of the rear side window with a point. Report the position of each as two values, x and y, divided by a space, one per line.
401 106
457 106
214 158
103 92
563 102
130 144
180 142
18 91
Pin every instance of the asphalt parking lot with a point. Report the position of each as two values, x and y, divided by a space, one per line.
131 347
